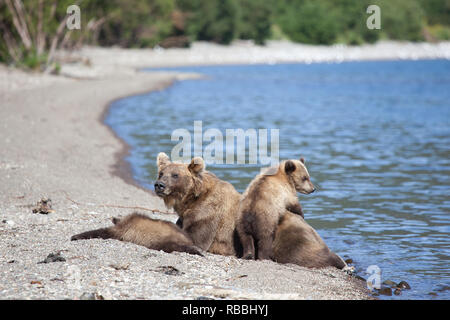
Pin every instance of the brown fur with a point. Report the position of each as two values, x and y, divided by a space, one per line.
297 242
264 203
206 205
144 231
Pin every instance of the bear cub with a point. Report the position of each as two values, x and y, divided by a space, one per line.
142 230
264 203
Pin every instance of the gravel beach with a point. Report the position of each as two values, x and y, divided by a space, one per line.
54 145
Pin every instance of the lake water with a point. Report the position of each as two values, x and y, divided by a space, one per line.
375 135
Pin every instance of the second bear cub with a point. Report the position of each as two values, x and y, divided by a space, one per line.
264 203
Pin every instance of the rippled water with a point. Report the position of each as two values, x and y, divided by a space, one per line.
376 137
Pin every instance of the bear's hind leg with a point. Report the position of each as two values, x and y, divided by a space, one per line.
265 250
103 233
245 231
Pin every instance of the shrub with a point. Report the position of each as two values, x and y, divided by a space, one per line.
309 22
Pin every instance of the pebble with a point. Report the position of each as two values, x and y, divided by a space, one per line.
386 291
44 206
169 270
390 283
53 257
9 222
91 296
87 296
203 298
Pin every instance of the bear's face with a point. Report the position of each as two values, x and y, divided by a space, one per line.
298 174
175 180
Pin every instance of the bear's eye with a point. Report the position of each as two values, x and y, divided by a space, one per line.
305 179
175 176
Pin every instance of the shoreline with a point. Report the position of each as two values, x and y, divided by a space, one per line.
122 168
92 62
52 145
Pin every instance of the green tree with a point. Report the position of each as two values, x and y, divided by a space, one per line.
212 20
308 21
401 19
256 20
136 23
437 11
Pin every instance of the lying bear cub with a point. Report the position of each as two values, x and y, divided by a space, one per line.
144 231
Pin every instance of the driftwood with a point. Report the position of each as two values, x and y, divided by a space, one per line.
114 205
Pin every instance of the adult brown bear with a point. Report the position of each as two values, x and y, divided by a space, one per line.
206 206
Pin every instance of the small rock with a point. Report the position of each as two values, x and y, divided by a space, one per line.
44 206
53 257
120 267
87 296
9 222
397 292
403 285
390 283
385 291
350 270
91 296
203 298
99 297
434 294
348 261
169 270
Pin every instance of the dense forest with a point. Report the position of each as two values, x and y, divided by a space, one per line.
33 29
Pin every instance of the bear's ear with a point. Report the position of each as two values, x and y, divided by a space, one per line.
302 160
289 167
162 159
197 165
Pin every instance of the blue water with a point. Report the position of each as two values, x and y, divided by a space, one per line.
375 135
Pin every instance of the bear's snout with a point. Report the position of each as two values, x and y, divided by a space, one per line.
159 186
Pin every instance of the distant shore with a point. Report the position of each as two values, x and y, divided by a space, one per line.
54 144
95 61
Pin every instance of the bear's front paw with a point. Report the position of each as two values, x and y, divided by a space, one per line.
248 256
